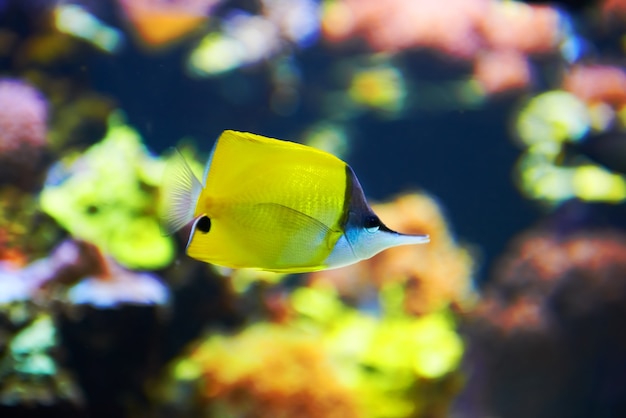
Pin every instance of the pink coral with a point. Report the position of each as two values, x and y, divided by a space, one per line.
496 36
399 24
499 71
521 27
23 114
460 28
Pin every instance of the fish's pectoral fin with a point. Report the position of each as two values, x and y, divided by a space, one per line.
302 222
300 239
180 189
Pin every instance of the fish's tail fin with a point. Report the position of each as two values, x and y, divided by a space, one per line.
180 189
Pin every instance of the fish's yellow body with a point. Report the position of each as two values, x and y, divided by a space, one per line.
273 205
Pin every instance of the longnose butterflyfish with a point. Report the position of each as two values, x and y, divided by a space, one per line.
274 205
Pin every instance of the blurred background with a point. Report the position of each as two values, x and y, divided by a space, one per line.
497 127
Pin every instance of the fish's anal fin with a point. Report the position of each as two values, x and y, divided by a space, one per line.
180 189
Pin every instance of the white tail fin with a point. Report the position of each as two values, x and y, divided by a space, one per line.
180 190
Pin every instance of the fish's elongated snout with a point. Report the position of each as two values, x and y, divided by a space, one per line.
408 239
366 244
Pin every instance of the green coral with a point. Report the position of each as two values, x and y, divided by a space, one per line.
29 370
108 196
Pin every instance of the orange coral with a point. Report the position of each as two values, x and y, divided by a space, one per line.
435 274
272 372
159 22
597 83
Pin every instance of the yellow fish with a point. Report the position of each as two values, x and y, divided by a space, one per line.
274 205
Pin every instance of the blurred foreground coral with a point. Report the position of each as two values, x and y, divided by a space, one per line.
329 360
377 339
265 371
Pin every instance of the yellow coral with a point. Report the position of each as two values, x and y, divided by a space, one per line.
107 196
380 87
392 363
544 126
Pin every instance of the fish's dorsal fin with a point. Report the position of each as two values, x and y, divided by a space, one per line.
180 190
207 166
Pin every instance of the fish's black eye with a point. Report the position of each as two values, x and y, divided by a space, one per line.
204 224
371 223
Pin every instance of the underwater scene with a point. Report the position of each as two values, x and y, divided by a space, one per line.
162 256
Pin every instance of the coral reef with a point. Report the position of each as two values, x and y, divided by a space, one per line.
461 29
546 338
496 36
